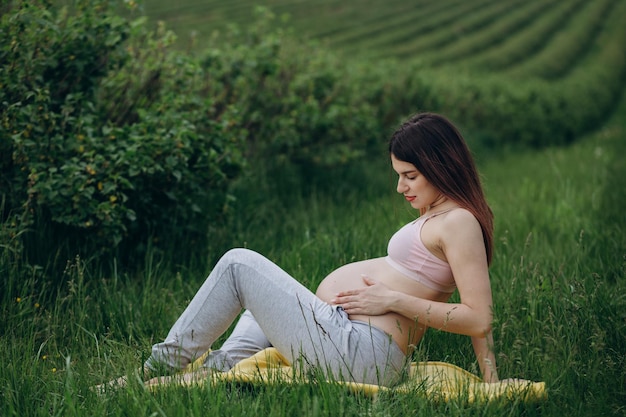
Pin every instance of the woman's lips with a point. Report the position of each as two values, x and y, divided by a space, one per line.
409 198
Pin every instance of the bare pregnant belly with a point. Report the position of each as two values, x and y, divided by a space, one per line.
405 331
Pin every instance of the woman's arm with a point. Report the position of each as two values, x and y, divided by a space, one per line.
377 299
483 347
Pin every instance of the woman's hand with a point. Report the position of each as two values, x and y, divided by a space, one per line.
374 299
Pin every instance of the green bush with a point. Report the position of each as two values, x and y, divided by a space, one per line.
299 104
105 139
48 76
111 136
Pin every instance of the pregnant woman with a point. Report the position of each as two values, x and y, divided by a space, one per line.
366 316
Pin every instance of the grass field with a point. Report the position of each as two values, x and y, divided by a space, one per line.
558 282
557 277
490 35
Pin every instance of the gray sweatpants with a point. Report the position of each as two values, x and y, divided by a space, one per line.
282 313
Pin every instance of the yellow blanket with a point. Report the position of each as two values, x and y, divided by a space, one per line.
436 380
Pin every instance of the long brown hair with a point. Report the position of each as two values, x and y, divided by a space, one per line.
436 148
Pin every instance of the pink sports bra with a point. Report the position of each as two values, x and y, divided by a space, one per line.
407 253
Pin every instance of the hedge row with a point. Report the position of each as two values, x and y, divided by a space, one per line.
570 43
519 46
111 135
525 110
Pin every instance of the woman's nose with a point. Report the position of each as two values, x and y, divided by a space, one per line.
401 186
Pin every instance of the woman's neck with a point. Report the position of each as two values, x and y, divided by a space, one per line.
441 204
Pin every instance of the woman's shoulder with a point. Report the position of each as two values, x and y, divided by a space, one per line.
450 230
460 222
450 222
459 214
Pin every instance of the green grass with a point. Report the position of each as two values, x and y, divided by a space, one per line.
492 32
557 277
558 283
570 44
406 31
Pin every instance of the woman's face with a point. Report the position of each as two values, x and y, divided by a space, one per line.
413 185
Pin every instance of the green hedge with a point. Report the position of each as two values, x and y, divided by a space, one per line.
110 136
531 111
105 135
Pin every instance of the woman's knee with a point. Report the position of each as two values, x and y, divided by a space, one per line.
241 256
238 255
